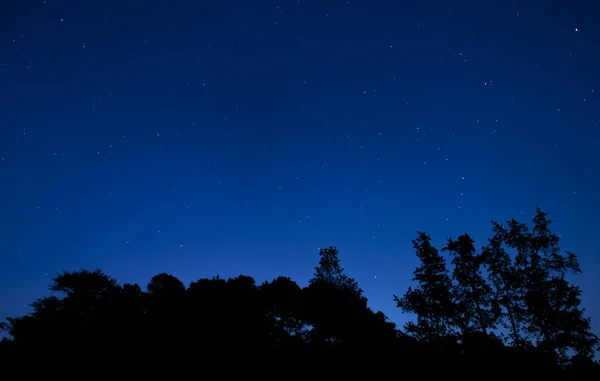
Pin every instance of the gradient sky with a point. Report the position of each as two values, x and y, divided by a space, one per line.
219 137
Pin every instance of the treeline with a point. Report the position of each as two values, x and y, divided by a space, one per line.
508 309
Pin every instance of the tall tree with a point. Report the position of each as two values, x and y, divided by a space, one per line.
507 277
333 303
330 271
548 304
432 299
476 311
557 320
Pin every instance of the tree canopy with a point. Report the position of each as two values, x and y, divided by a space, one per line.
509 306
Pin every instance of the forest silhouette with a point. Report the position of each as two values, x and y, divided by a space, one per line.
508 309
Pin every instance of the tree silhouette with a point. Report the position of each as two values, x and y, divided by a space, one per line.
432 299
337 311
330 271
518 282
476 308
165 284
541 306
284 306
509 308
508 278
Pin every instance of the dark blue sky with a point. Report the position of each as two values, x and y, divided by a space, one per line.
220 137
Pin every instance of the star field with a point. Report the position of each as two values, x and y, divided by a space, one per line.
221 137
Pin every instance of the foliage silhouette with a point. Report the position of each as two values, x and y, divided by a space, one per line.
518 282
432 301
509 308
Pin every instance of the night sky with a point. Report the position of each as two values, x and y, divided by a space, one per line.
227 137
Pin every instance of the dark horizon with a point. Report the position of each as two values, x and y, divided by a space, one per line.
509 306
